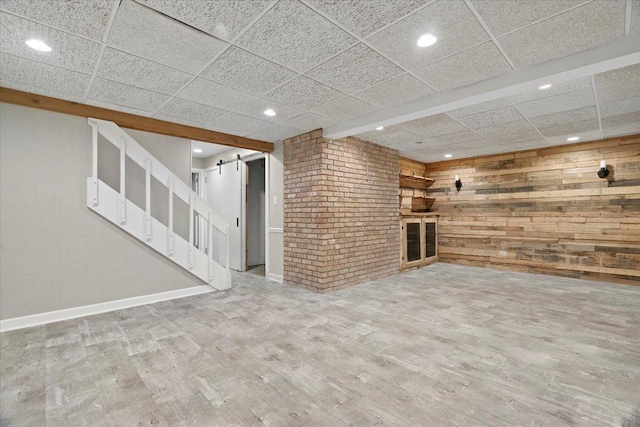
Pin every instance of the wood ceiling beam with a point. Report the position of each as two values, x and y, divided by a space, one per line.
131 121
610 56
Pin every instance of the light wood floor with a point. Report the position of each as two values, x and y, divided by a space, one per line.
445 345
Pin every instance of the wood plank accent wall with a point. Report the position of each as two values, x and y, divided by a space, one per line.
544 211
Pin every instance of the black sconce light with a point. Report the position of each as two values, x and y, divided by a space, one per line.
603 172
458 183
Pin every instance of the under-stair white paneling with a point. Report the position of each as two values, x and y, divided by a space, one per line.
56 254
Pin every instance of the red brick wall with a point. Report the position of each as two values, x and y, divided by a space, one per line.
341 216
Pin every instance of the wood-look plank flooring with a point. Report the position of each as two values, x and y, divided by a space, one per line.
445 345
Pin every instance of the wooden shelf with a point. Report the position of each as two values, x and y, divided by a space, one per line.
410 204
415 181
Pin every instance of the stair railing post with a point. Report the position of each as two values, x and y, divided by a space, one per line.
228 274
210 243
170 243
94 166
191 254
147 190
122 205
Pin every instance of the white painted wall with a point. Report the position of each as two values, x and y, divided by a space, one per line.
54 252
276 213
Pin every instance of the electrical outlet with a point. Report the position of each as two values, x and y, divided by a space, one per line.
503 253
275 200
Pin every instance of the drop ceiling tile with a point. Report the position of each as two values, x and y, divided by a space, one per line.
114 107
364 17
126 96
346 108
629 105
470 66
401 138
42 91
621 124
565 117
309 121
134 71
292 34
304 93
185 122
221 18
579 29
450 21
401 90
584 136
618 84
439 124
276 132
355 69
479 108
570 129
635 17
372 135
519 145
237 124
67 51
521 139
504 16
491 117
215 95
465 136
256 109
557 103
23 74
507 131
84 18
144 32
244 70
556 89
190 111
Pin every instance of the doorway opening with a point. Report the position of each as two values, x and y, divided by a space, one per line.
234 182
255 213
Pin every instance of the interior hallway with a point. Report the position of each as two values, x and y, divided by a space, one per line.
443 345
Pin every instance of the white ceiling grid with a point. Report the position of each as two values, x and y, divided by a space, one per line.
218 64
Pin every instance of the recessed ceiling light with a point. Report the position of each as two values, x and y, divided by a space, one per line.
380 128
427 40
448 156
38 45
573 138
269 112
543 87
197 150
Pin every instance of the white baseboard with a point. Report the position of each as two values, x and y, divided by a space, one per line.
88 310
275 277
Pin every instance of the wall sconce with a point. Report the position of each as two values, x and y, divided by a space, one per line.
603 172
459 183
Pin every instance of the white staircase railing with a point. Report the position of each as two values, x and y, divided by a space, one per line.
139 223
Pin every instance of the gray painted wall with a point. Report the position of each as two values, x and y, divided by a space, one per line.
54 252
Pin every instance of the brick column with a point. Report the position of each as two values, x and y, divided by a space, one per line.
341 215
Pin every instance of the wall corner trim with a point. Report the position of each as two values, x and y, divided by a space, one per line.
275 278
89 310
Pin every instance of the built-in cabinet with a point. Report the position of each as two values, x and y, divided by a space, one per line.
419 237
419 226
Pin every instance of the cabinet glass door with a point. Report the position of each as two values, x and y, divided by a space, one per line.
430 238
413 241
